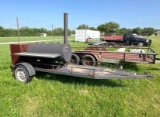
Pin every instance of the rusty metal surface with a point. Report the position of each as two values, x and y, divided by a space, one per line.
120 56
33 51
93 72
114 38
96 48
128 57
17 48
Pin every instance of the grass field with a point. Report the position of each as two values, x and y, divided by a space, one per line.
15 39
50 95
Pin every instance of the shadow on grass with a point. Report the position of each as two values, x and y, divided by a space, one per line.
78 80
90 82
130 66
153 69
133 66
126 66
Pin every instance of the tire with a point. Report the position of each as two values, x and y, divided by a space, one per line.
105 45
140 44
111 45
22 74
127 42
75 59
88 60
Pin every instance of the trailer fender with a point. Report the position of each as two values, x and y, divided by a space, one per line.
97 58
28 66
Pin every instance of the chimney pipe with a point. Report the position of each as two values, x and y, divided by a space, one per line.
65 28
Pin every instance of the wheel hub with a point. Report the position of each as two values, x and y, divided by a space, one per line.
21 75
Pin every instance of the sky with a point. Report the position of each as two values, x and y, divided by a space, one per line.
45 13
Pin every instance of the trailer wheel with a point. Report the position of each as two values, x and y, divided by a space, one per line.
105 45
127 42
140 44
88 60
75 59
111 45
22 74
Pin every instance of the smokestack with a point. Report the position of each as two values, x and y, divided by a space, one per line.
65 28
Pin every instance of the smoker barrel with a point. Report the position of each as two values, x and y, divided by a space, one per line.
64 50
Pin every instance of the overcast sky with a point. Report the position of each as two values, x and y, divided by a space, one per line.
44 13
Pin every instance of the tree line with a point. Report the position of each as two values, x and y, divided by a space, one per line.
26 31
106 28
114 28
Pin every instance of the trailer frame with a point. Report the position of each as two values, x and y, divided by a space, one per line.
101 54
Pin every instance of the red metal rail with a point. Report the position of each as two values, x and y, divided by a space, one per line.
103 55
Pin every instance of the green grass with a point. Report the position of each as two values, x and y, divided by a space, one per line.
50 95
15 39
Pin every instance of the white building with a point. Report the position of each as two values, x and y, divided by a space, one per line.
82 35
43 34
157 33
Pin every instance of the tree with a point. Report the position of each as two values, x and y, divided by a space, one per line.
24 31
148 31
137 30
121 31
58 31
10 32
109 27
83 26
101 27
72 31
2 31
92 28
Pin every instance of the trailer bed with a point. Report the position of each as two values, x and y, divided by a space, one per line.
93 72
119 56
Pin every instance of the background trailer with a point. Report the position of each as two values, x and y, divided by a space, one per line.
82 35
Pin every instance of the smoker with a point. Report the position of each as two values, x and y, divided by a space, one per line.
63 51
29 58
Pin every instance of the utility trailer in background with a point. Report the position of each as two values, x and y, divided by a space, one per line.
94 55
27 59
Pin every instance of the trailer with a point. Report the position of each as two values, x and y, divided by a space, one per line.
95 55
83 34
30 58
27 59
